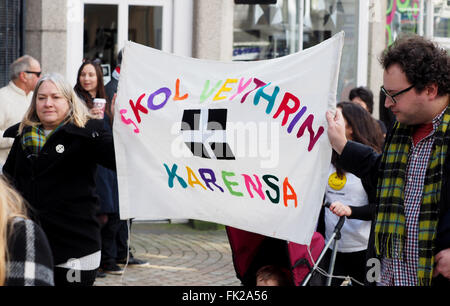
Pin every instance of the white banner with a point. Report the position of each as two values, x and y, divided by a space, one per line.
237 143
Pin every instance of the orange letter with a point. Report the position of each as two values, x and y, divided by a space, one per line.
287 197
177 92
192 174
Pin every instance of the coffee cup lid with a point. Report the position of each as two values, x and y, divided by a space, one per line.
99 100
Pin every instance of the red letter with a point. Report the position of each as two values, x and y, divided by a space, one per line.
138 107
284 107
312 137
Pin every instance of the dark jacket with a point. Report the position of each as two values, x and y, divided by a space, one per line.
364 162
60 185
111 88
106 181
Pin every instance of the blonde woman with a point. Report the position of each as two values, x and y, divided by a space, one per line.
52 163
25 256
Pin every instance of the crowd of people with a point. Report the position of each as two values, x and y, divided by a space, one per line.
389 178
54 130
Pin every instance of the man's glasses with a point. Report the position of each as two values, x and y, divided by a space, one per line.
396 94
37 73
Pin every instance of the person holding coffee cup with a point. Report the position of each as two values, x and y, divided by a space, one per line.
91 90
99 105
90 87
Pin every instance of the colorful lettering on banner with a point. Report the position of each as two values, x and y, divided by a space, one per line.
224 88
138 108
251 185
241 144
128 121
205 94
177 92
288 108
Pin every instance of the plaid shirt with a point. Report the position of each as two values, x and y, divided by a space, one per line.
398 272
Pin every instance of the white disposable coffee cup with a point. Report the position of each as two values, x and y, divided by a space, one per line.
100 103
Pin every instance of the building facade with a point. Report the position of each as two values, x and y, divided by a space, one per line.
11 35
61 33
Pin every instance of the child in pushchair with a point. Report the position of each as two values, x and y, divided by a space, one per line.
253 254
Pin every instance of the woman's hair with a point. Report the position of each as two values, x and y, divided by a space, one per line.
11 206
101 93
365 129
78 113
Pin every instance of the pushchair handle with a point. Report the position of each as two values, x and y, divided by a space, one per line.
339 225
341 221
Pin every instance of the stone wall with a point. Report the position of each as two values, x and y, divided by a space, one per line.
45 33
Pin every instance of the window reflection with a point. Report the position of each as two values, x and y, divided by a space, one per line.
265 31
269 31
442 18
324 18
401 17
145 25
100 32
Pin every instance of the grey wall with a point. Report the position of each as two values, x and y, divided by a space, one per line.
45 33
213 29
377 42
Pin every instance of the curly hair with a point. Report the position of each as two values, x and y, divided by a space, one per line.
422 61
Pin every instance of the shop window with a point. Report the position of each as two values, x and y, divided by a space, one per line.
323 19
442 21
269 31
264 31
402 17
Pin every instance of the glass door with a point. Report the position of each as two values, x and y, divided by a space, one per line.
145 25
98 29
100 36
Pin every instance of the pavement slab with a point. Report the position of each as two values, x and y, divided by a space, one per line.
178 255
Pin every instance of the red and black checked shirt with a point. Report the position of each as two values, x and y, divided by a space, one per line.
403 272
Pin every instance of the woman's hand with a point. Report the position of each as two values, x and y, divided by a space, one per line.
336 130
96 112
340 209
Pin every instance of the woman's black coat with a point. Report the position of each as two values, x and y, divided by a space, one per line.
59 185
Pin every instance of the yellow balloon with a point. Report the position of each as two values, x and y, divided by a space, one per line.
336 182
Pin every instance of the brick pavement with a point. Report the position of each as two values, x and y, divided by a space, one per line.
178 256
